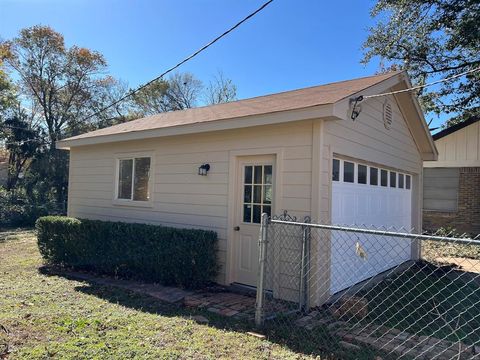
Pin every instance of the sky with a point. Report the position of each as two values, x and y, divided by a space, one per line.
290 44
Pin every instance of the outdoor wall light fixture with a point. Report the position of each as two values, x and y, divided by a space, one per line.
203 169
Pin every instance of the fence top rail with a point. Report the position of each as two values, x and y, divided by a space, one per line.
466 241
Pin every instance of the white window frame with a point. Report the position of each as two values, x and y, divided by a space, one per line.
379 174
131 202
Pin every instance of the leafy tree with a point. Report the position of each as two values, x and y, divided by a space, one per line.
21 142
62 85
220 90
152 99
431 39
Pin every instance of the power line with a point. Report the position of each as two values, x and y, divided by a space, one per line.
356 110
181 62
423 86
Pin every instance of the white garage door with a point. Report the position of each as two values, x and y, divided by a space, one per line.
369 197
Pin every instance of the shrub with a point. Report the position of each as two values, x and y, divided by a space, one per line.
171 256
17 209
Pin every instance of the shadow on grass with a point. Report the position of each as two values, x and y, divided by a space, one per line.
316 342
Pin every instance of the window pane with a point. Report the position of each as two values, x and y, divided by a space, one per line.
267 194
336 170
400 181
257 194
267 174
257 214
125 179
140 183
407 182
362 174
373 176
384 177
248 174
393 179
247 213
257 175
348 171
268 210
247 194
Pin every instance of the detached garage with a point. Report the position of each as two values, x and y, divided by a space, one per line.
219 167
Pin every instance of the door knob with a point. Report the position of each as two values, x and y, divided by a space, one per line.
236 228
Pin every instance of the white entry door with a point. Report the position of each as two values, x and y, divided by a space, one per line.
368 197
254 196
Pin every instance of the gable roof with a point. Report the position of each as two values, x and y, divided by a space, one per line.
267 104
454 128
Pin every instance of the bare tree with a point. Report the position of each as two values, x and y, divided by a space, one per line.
220 90
183 91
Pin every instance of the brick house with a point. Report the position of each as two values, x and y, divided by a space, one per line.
452 184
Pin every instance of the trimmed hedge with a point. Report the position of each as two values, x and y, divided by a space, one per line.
171 256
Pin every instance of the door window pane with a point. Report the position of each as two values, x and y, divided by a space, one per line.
384 177
247 213
257 174
362 174
348 171
336 170
248 174
267 194
125 179
407 182
400 181
267 173
141 180
268 210
257 214
373 176
393 179
257 194
247 194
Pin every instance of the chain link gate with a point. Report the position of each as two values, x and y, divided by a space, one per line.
402 295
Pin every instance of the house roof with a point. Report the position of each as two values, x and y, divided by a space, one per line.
236 110
455 127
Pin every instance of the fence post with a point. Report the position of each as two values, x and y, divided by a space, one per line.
262 256
305 266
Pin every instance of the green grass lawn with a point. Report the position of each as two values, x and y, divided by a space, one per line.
49 316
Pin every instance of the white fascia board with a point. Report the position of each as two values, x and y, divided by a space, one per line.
314 112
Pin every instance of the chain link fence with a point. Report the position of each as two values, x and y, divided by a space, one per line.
379 291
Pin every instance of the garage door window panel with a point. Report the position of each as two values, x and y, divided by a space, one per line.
362 174
393 179
373 176
348 172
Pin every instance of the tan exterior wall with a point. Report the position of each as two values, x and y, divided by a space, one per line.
181 197
458 149
368 140
303 150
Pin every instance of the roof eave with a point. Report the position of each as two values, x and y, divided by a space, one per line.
314 112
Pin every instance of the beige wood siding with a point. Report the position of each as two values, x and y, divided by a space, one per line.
367 139
458 149
182 198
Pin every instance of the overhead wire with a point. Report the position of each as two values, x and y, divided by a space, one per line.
424 85
188 58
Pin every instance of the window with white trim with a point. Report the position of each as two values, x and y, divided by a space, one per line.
358 173
134 179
